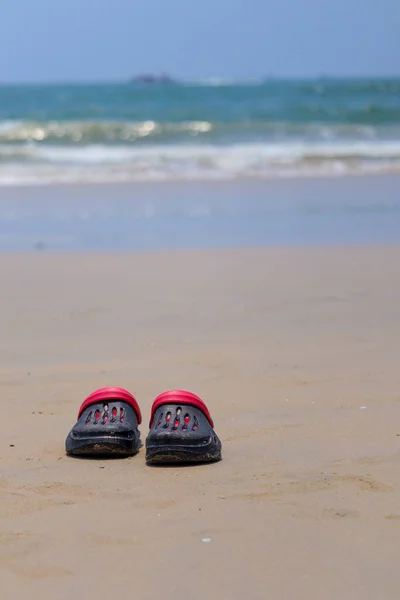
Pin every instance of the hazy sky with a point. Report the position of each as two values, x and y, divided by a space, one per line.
74 40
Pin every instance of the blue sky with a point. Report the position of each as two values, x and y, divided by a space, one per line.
97 40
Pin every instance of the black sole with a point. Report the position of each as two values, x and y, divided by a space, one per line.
102 446
170 454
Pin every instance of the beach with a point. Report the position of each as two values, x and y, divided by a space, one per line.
219 213
294 348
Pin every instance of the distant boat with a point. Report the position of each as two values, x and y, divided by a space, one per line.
149 79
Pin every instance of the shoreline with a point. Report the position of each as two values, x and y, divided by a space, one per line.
243 181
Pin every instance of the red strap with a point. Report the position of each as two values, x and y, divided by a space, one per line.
111 393
180 397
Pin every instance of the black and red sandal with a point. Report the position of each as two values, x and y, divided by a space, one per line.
107 425
181 430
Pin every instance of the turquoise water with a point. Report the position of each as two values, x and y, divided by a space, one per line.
126 132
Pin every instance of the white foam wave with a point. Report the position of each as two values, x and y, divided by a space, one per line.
108 131
35 163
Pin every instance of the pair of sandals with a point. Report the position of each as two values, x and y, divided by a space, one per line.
181 428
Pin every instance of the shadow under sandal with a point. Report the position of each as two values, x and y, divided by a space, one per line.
107 425
181 430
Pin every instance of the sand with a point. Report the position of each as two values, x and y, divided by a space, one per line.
296 353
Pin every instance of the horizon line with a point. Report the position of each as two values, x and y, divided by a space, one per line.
212 80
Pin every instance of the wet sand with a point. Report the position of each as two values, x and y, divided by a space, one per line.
295 352
205 214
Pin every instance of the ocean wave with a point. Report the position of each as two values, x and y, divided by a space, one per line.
76 132
82 133
33 163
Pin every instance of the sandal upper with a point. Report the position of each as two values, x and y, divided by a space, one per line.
108 394
180 397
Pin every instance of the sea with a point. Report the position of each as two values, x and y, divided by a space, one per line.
199 164
212 130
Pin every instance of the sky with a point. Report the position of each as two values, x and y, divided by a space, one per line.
106 40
